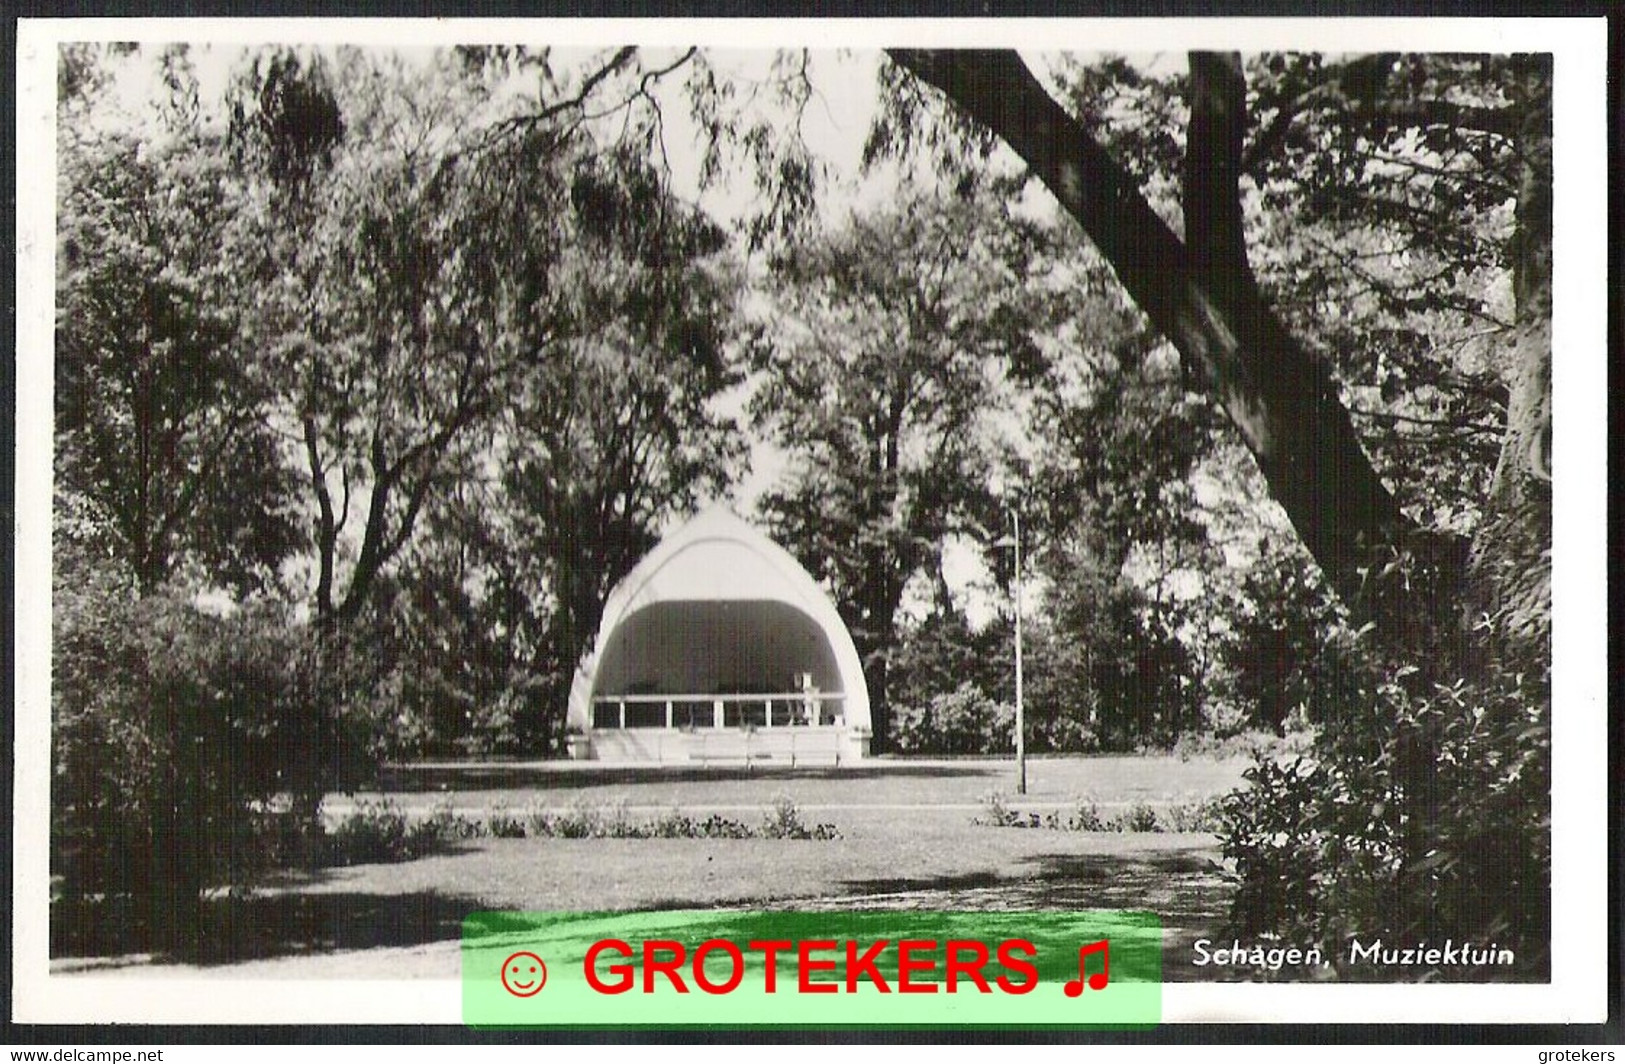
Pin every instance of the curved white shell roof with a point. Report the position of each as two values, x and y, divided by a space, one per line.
718 580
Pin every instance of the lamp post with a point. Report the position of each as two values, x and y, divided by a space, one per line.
1014 540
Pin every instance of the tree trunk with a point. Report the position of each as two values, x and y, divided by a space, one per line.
1510 568
875 635
1200 295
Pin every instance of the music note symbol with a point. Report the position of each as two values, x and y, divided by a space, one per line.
1097 981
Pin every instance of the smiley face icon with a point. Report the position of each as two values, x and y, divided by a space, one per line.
524 974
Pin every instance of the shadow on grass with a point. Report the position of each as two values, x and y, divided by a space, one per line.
487 776
1185 890
1176 883
900 885
1052 941
232 930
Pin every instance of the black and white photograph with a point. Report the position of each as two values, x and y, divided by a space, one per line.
951 469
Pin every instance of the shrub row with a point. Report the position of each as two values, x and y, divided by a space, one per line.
380 830
1086 816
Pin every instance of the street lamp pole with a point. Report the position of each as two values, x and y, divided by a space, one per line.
1021 724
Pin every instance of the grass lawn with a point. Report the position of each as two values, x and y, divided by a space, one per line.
908 840
1111 782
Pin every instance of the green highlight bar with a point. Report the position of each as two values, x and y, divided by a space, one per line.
710 968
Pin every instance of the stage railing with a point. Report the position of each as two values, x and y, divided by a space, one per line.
698 712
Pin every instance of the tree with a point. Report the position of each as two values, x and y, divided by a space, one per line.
1205 291
1289 649
1110 665
383 271
172 726
1386 249
457 632
617 429
478 302
161 418
1202 294
1423 811
895 335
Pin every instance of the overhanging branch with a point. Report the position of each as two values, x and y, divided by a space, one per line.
1274 391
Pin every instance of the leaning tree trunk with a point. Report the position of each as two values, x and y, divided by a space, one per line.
1510 567
1200 294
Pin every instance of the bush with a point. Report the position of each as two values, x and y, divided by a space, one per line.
377 831
441 828
372 832
717 826
1138 817
580 820
1086 817
502 824
783 821
672 824
615 822
584 821
189 753
1248 743
996 810
1051 733
1427 816
963 721
1291 652
1193 817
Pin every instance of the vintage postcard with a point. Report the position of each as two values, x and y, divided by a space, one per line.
1026 524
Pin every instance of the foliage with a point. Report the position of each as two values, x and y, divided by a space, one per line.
382 257
616 430
961 721
444 825
1427 816
940 652
160 413
1191 817
1110 665
489 353
1138 817
1384 241
191 749
1115 659
503 824
373 831
582 820
1086 816
1224 744
170 736
678 825
1291 650
783 820
882 376
498 342
997 811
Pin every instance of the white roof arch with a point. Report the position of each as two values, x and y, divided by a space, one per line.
718 579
